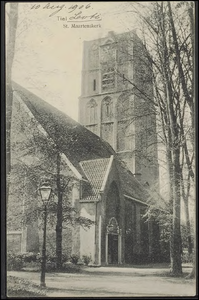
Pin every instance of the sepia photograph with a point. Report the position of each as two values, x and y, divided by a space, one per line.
100 149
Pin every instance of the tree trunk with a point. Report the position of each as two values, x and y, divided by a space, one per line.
186 210
191 16
59 216
176 262
176 245
188 98
188 226
12 23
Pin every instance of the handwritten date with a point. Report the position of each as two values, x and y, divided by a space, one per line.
76 11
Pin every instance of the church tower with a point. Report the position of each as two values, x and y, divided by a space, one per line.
116 101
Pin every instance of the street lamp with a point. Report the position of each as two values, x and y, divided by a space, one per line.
45 191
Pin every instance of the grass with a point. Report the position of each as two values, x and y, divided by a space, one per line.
17 287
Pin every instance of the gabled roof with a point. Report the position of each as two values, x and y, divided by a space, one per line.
95 171
74 140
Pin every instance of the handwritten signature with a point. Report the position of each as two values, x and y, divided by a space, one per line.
76 12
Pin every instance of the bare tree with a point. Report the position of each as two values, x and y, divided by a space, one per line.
12 19
169 55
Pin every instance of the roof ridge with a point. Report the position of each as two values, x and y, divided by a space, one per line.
94 159
22 89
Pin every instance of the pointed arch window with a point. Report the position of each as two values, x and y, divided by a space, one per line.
92 112
94 56
108 62
125 132
107 120
107 109
123 108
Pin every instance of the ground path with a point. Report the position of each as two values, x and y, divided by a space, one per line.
113 281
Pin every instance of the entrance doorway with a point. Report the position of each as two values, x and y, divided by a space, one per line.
113 242
112 249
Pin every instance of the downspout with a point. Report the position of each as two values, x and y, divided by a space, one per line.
24 227
96 228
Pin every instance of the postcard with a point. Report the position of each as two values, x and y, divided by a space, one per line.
100 149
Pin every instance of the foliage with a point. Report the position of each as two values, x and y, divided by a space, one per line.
51 258
32 261
86 259
70 268
74 258
65 257
66 266
186 257
184 234
32 266
29 257
14 261
51 266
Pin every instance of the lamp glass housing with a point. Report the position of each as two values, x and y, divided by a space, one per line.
45 191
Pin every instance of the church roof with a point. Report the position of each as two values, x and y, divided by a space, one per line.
130 185
88 153
74 140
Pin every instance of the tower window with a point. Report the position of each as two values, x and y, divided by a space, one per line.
108 78
125 132
92 112
94 84
107 109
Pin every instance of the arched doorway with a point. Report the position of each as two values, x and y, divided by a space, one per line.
113 242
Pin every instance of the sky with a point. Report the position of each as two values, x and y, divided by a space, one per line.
48 56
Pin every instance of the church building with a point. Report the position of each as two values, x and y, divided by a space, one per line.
110 158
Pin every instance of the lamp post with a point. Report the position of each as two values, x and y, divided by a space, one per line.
45 191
